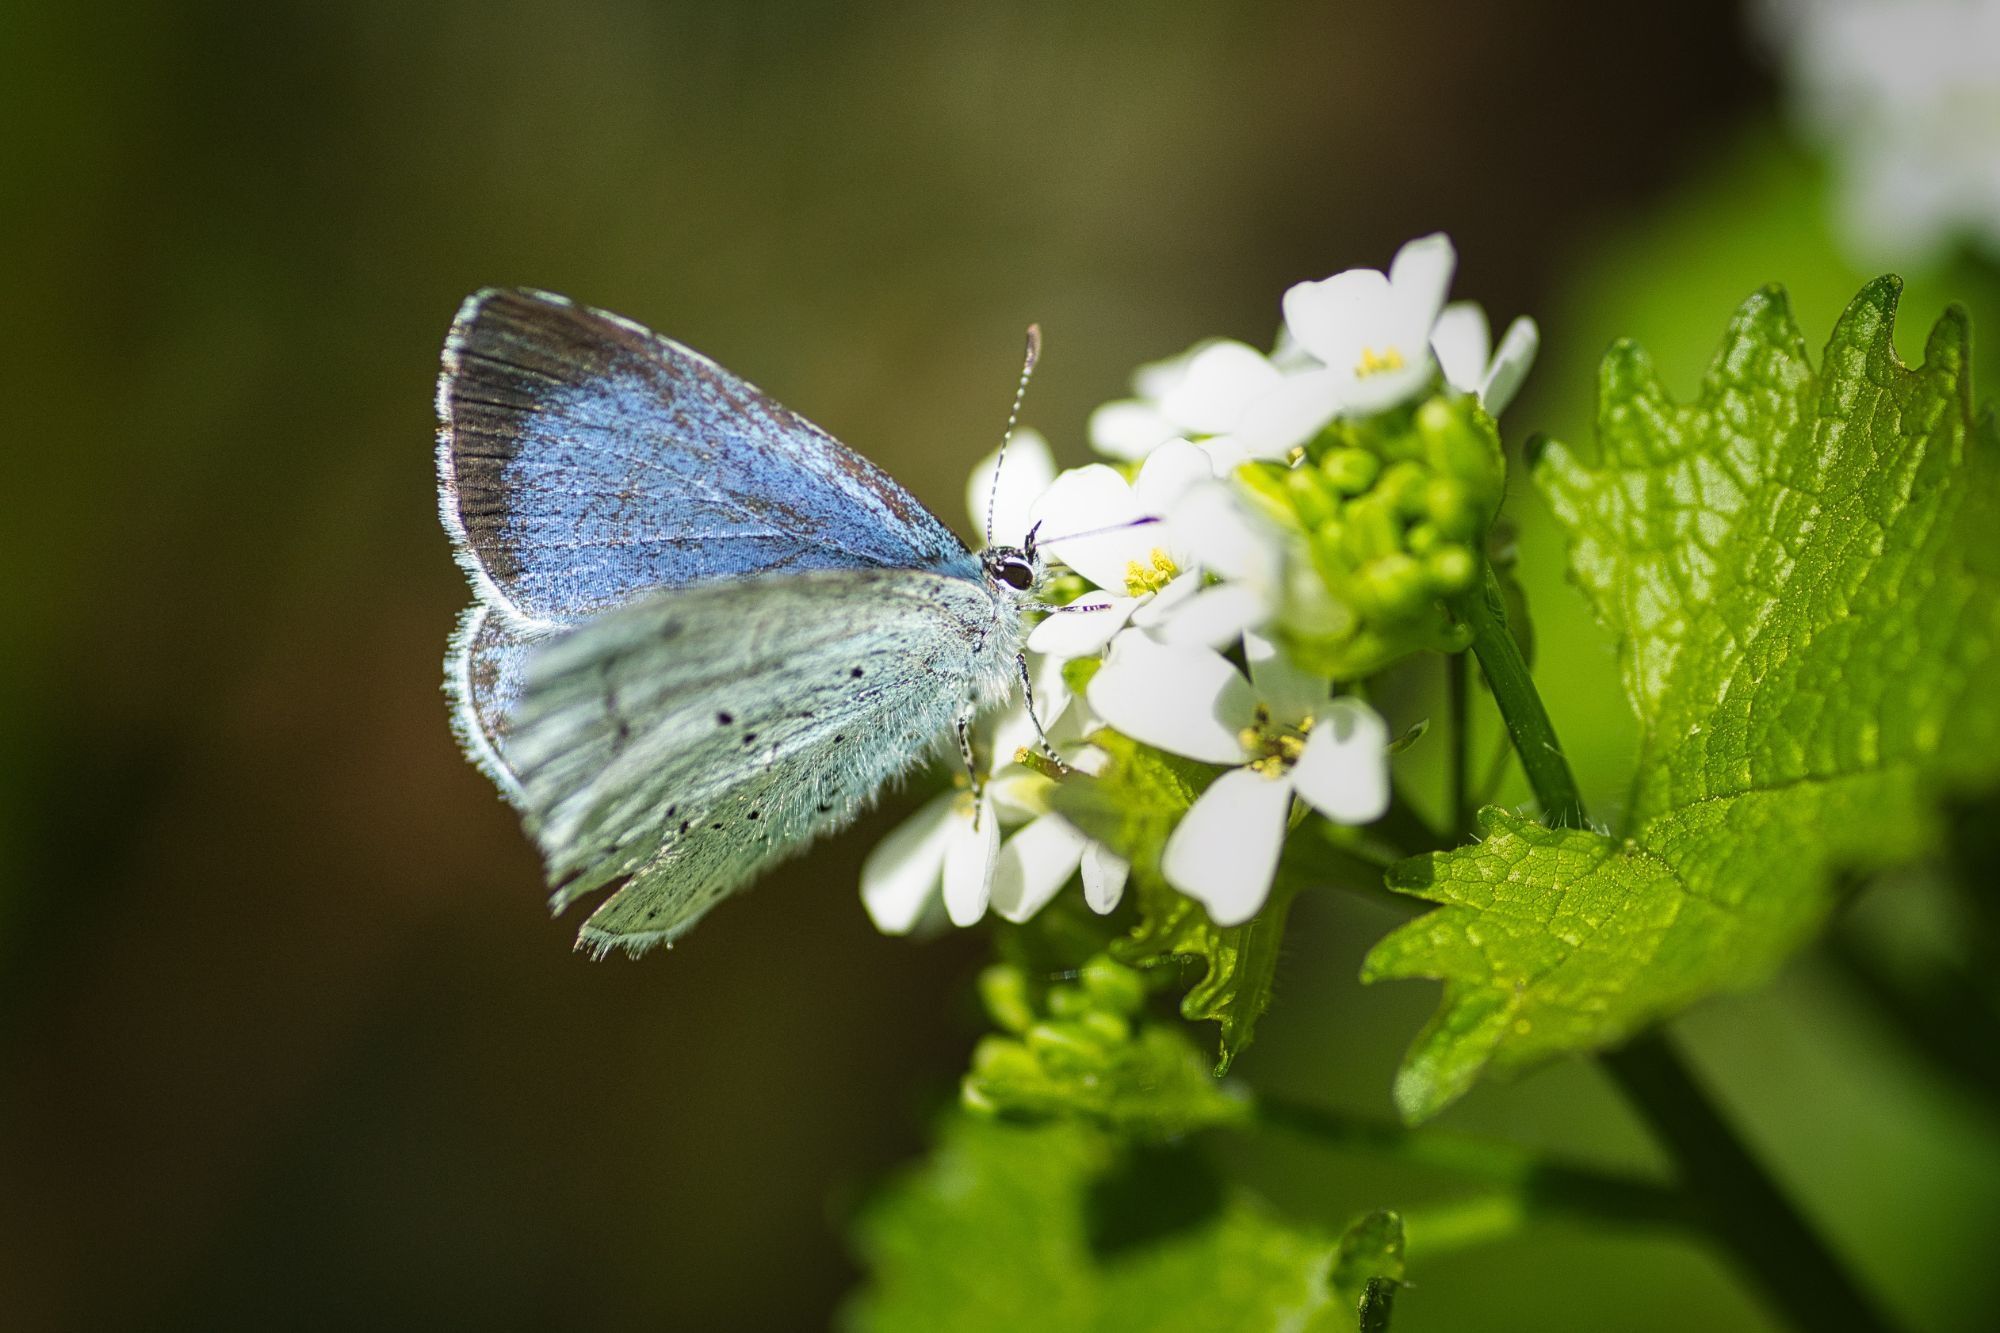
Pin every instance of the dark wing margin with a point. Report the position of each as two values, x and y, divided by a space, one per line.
583 460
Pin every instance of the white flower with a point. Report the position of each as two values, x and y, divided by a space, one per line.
954 842
1905 96
1091 519
1371 334
1028 471
951 842
1202 392
1461 342
1039 858
1279 730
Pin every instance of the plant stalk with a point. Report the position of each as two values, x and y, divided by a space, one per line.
1528 725
1735 1199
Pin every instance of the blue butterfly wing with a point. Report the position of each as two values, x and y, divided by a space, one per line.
584 460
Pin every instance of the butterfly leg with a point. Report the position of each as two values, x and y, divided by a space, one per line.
1028 699
965 749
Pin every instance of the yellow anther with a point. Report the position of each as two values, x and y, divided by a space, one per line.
1374 362
1151 575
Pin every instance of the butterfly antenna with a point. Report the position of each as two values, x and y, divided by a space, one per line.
1013 416
1146 520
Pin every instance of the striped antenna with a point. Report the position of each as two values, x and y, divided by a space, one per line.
1013 416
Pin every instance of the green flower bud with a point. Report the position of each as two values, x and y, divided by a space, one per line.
1116 987
1003 991
1351 471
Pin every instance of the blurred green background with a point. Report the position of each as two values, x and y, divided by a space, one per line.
286 1037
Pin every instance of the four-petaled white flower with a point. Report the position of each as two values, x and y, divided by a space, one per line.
1281 732
1132 541
1202 392
955 844
1462 343
1371 333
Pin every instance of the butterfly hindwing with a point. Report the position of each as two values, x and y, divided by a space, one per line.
583 461
679 745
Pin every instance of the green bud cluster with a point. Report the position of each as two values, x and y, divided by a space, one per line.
1083 1047
1386 516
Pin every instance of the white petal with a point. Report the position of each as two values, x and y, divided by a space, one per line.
1384 389
968 864
1461 342
1157 609
1289 356
1104 875
1225 454
1216 616
1166 476
1034 864
1095 500
1156 379
1028 471
1188 700
1225 849
1332 318
1073 633
1344 772
1421 276
1129 428
1510 365
1292 413
1221 380
1289 691
901 872
1225 537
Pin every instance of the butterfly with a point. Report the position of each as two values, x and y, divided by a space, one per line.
703 632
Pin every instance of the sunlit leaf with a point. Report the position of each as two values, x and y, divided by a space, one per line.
1803 572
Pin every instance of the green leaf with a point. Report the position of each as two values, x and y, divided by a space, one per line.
1059 1229
1132 807
1803 574
1368 1268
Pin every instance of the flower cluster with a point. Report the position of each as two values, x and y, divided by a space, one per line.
1269 529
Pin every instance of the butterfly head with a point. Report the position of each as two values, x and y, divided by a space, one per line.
1015 570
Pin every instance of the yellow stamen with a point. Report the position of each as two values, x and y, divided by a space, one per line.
1158 571
1275 746
1374 362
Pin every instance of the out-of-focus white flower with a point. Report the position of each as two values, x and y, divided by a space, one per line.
1202 392
1370 332
1037 859
1030 467
950 843
1906 95
1280 732
958 844
1128 538
1464 348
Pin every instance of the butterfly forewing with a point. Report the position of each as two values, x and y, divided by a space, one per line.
683 743
584 460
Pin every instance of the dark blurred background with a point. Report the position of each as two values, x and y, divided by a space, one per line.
286 1036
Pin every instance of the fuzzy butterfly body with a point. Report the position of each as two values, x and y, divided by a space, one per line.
704 631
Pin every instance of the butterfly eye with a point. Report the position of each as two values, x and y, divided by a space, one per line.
1016 574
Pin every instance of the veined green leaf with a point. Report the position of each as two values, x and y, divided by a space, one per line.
1059 1228
1803 569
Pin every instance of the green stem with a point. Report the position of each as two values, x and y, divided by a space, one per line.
1542 1185
1738 1203
1741 1205
1534 736
1458 702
